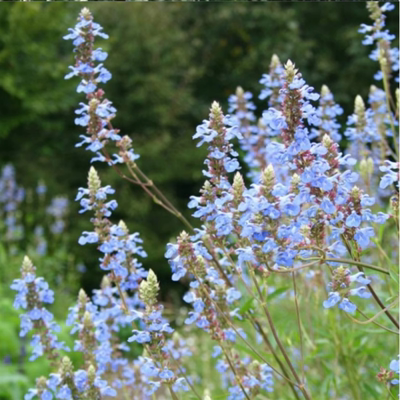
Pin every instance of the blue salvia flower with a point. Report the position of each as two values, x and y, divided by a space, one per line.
327 111
391 174
253 136
157 368
340 286
97 114
11 195
32 294
118 247
58 209
376 34
273 82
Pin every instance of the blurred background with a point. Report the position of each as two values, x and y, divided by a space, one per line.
169 62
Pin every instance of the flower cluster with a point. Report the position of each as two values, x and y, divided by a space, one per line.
341 281
11 195
32 294
301 210
376 34
97 114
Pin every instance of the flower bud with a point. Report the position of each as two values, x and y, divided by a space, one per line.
359 107
149 288
91 373
82 297
125 142
206 190
41 383
94 182
27 266
327 141
324 90
295 182
255 365
238 185
275 62
268 177
85 12
87 320
66 368
123 226
183 237
215 111
207 395
105 282
355 192
290 71
239 92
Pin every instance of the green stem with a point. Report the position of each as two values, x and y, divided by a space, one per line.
174 396
276 336
388 96
234 371
299 326
351 262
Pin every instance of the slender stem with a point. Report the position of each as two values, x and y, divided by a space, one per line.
251 347
373 321
388 96
276 337
235 372
299 326
185 376
174 396
390 393
370 288
161 195
351 262
289 270
380 325
375 316
351 377
381 305
277 359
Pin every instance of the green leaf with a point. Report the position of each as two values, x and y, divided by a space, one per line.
246 306
277 292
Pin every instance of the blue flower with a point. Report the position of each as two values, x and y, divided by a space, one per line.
353 220
140 337
347 306
363 235
180 385
333 299
166 374
328 206
232 295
